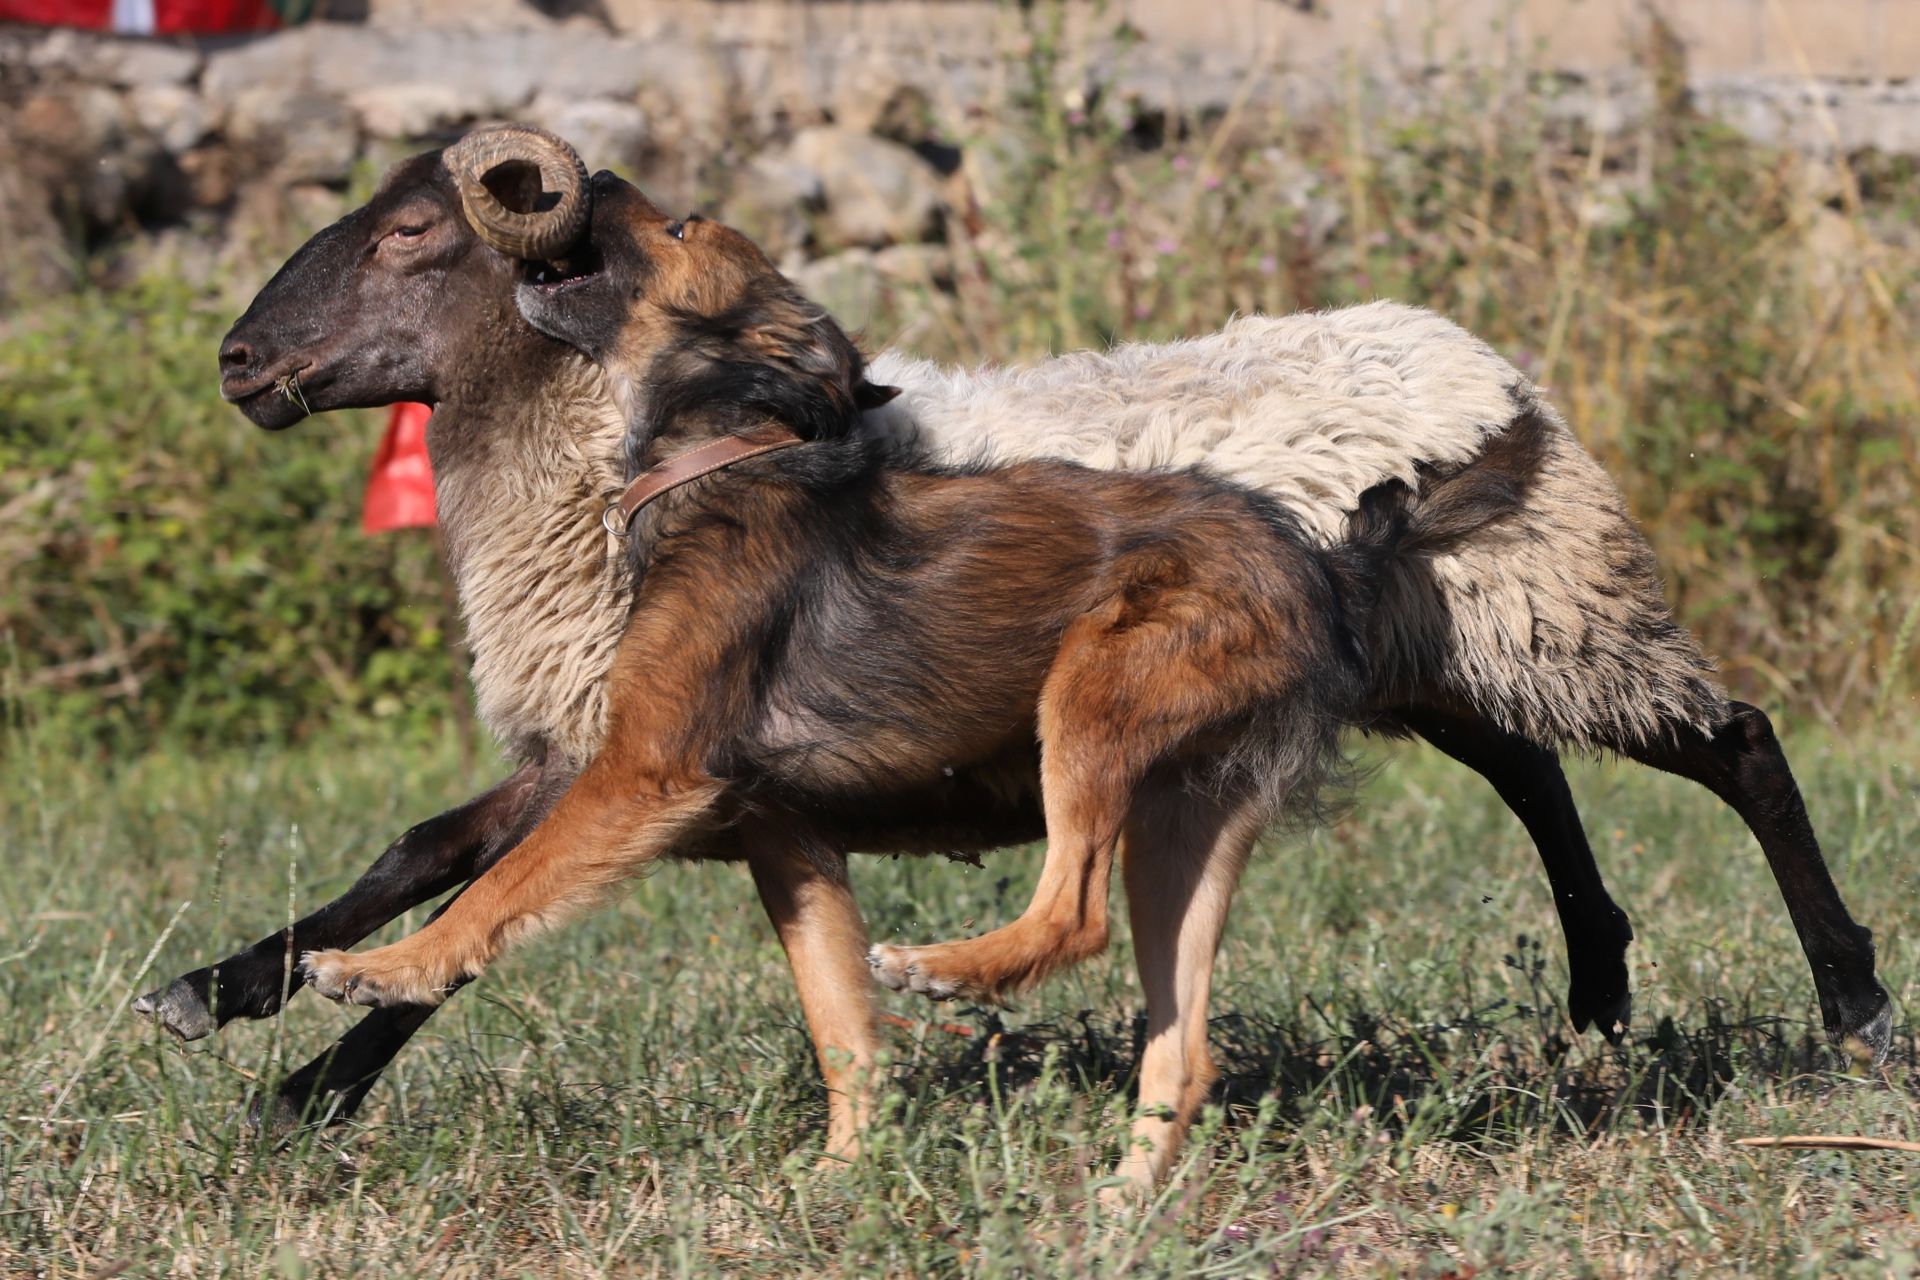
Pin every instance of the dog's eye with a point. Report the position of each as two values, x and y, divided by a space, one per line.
678 230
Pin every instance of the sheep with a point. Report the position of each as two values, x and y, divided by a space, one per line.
1480 651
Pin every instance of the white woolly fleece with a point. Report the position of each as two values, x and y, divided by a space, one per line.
1313 408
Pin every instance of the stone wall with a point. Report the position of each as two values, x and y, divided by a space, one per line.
843 109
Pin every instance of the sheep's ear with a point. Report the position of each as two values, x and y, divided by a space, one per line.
871 395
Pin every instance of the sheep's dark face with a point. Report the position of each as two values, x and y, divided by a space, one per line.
372 310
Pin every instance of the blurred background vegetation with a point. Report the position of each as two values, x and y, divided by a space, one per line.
1729 328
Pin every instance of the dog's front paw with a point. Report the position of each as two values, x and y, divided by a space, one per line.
371 979
913 969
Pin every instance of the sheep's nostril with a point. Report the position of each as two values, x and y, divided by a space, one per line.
235 355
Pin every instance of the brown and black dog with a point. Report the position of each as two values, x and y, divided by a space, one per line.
839 647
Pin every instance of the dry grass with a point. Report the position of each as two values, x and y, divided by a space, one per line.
636 1097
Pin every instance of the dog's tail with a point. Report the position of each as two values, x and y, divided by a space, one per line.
1394 521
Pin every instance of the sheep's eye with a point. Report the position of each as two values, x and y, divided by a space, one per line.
410 231
677 229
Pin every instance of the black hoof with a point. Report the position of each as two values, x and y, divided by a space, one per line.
1864 1032
295 1107
181 1008
1605 1005
277 1117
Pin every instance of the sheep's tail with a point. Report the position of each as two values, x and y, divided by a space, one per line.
1394 520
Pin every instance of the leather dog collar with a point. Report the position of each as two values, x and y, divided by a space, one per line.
691 465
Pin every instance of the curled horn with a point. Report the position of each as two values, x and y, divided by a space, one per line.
536 234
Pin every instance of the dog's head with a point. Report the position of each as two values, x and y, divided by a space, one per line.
700 333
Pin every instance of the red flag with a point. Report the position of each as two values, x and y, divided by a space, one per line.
145 17
400 490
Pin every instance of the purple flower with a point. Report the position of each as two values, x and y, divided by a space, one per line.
1181 164
1269 265
1115 239
1211 182
1141 311
1166 245
1076 117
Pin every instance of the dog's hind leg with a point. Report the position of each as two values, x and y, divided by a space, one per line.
807 896
1743 764
1126 694
1065 922
1529 779
1180 860
1093 752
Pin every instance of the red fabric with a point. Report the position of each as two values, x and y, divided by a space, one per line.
58 13
170 17
400 490
206 17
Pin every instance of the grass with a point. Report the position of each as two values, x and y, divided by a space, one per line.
637 1097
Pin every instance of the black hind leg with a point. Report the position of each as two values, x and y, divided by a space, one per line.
1743 764
1528 778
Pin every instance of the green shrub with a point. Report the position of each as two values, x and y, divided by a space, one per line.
169 569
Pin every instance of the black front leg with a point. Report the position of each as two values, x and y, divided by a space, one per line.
333 1084
427 861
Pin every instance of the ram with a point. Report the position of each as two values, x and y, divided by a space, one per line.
1542 630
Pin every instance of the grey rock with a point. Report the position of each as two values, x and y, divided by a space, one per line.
406 16
274 62
876 192
411 110
847 284
302 134
607 133
772 200
487 73
996 163
174 115
925 266
125 61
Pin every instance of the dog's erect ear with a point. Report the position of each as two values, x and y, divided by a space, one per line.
871 395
